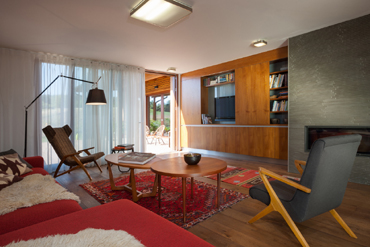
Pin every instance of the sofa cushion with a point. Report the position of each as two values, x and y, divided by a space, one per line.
24 217
144 225
11 164
8 179
36 170
12 151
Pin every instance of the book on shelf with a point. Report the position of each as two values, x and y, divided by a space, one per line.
136 158
278 80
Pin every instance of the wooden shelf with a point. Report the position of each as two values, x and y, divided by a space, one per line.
278 88
219 84
280 98
279 72
278 111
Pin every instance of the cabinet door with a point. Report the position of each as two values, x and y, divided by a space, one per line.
190 101
252 94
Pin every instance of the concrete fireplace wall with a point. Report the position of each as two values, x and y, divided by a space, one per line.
329 85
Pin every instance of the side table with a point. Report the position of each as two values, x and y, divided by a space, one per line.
122 148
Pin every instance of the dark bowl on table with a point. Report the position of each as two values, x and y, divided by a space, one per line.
192 159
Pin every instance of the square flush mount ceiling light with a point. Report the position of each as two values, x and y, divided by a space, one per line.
162 13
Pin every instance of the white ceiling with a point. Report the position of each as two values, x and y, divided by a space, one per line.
217 31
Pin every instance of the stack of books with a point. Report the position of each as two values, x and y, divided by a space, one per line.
278 80
212 80
136 158
280 105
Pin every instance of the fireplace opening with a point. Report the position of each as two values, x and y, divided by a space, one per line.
312 133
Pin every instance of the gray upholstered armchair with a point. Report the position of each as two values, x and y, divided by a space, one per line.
321 188
59 139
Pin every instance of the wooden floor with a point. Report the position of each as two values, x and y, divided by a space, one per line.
231 228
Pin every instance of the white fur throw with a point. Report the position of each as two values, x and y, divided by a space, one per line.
33 189
85 238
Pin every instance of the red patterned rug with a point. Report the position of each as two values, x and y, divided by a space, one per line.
198 209
242 177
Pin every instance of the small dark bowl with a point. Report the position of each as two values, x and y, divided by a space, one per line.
192 159
275 120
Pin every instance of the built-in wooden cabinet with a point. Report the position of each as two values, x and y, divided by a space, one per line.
252 133
252 94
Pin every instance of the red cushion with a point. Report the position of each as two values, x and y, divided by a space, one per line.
35 161
36 170
38 213
146 226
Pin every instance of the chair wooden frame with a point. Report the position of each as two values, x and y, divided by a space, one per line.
79 163
276 205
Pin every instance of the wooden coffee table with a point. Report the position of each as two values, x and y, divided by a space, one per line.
176 167
112 159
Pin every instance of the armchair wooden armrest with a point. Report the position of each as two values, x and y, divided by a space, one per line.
86 150
264 171
298 164
68 155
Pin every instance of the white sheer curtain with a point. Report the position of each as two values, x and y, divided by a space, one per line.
120 121
17 90
25 74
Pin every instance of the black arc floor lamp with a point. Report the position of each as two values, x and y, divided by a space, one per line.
96 97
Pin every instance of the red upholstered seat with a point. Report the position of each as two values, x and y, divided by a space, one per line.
146 226
24 217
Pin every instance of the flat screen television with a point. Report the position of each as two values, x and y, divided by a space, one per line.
312 133
225 108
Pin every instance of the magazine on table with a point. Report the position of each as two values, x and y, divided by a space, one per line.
135 158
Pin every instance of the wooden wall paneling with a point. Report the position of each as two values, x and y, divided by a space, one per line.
238 63
163 83
269 141
281 143
231 140
190 101
204 99
241 91
252 105
220 138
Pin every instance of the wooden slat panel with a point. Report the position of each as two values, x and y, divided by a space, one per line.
190 102
267 142
238 63
163 83
251 94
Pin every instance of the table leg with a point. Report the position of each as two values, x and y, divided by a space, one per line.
184 198
159 191
192 187
218 189
133 185
111 180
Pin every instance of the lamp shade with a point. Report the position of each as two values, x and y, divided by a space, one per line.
96 97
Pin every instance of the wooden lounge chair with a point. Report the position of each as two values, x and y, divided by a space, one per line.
59 140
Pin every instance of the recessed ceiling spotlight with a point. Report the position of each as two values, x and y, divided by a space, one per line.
260 43
162 13
171 69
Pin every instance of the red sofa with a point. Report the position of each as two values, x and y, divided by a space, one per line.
43 220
